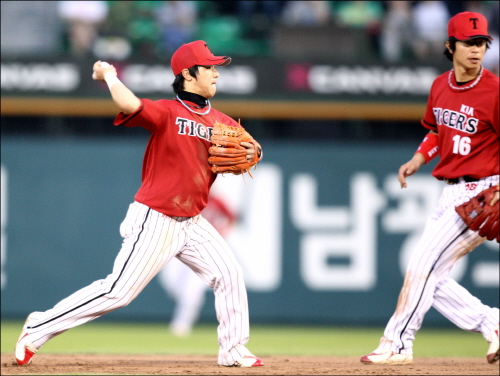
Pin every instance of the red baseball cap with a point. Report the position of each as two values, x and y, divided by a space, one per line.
468 25
195 53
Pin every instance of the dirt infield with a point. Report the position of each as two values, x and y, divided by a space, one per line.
47 364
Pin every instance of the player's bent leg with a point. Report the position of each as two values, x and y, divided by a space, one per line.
191 296
86 304
467 312
431 261
136 264
209 255
463 309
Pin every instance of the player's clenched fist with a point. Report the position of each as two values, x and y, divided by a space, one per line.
100 69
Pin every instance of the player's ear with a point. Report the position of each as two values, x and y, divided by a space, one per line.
448 47
187 76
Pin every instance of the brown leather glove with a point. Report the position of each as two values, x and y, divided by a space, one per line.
227 154
480 216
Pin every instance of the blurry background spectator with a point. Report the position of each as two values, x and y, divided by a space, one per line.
132 27
492 58
366 15
396 31
455 7
114 43
143 30
309 13
83 20
30 28
178 21
396 37
259 17
220 27
430 20
482 7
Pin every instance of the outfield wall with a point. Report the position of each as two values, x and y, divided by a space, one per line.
324 230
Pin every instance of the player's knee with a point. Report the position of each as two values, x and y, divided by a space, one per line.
122 300
234 274
237 271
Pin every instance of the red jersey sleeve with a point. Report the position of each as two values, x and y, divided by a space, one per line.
151 113
429 120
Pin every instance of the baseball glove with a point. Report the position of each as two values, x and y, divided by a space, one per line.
480 216
227 154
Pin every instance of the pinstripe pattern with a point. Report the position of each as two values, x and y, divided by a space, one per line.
209 256
445 240
462 308
150 240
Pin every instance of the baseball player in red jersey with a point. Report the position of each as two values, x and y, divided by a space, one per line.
462 115
164 220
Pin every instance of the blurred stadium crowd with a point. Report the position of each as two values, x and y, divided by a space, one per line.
117 30
387 31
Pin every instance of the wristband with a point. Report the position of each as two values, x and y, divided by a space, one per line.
111 79
429 146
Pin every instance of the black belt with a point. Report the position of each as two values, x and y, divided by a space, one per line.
467 179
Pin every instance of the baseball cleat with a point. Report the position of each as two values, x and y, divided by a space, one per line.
492 354
25 350
380 356
248 361
180 331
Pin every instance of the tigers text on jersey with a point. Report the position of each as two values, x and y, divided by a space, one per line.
466 119
176 175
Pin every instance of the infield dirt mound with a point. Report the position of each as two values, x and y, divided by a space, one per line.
47 364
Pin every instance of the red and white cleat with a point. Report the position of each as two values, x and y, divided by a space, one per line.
25 350
386 357
492 354
249 361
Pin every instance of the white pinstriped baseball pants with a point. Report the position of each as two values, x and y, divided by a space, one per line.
150 240
445 240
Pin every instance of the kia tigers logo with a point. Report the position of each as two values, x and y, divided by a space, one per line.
474 21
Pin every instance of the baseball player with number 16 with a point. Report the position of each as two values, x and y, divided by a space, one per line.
462 115
164 221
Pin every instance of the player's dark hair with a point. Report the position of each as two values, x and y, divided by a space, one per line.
178 84
453 46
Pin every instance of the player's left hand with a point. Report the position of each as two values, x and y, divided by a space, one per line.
233 150
481 217
410 168
251 151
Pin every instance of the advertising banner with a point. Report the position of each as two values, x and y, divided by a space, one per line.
244 78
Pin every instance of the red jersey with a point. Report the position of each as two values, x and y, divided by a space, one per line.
176 175
466 120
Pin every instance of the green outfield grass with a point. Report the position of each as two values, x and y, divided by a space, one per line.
154 338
